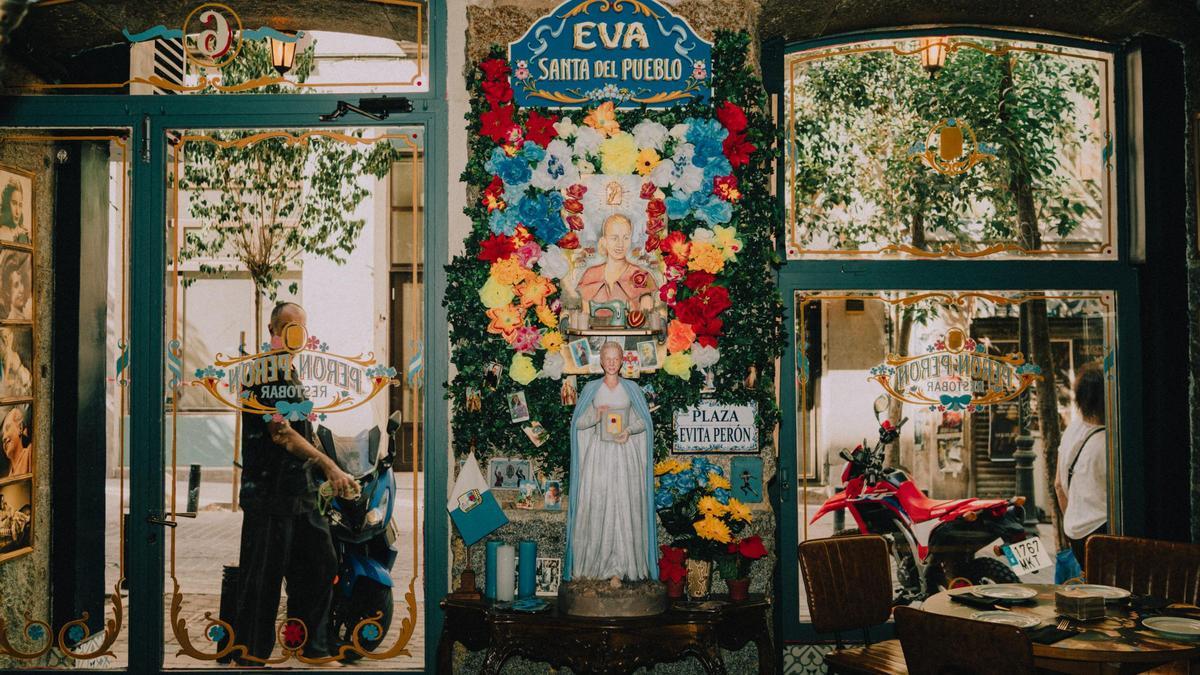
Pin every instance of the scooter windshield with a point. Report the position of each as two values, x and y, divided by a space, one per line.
356 455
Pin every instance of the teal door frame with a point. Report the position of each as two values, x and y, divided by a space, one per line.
149 118
1120 276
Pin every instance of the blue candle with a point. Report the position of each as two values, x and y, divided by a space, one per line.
526 582
489 585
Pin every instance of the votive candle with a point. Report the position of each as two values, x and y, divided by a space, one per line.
505 568
527 582
489 584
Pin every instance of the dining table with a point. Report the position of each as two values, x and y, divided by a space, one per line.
1118 642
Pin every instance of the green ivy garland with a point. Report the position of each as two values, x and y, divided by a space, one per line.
753 336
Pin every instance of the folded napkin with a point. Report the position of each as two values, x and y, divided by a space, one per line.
1048 635
969 598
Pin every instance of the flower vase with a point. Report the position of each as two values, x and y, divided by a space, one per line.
699 578
675 589
739 589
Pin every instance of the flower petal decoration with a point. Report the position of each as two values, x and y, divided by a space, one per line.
732 117
540 129
494 69
647 159
679 365
521 369
553 366
752 547
738 510
494 294
505 319
496 247
552 341
497 123
649 134
619 154
713 529
603 118
679 336
704 356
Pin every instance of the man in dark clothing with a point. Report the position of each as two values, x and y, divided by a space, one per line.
283 534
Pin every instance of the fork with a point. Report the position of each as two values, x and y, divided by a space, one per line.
1065 624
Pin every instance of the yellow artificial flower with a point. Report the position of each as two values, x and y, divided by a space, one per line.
679 365
603 118
706 257
521 370
548 318
507 271
552 342
738 510
712 529
534 291
647 159
718 481
619 154
709 506
495 294
669 465
505 319
726 239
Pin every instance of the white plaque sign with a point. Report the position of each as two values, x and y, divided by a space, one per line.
713 427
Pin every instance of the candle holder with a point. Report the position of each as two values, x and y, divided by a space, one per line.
467 589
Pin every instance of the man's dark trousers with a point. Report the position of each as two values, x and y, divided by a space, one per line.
297 548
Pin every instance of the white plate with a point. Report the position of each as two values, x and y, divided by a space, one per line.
1007 618
1106 592
1173 625
1005 591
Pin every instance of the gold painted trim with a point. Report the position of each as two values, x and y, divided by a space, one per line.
613 6
179 627
237 42
112 626
1105 248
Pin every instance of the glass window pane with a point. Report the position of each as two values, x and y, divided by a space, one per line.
950 146
998 393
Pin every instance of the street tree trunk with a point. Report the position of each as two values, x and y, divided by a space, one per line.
903 335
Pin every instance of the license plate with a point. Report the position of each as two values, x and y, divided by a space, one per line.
1028 556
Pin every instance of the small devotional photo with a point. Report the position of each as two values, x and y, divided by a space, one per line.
518 409
16 206
529 495
16 359
548 573
16 438
581 353
569 391
16 518
631 365
648 352
497 468
537 433
474 399
491 375
552 494
16 288
516 471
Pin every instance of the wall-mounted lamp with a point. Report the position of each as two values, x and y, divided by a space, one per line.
283 52
933 54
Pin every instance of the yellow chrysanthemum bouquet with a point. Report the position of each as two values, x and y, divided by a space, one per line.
695 506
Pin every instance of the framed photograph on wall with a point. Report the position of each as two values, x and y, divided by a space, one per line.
16 518
16 206
548 573
16 285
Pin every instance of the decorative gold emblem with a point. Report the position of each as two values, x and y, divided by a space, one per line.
210 38
951 148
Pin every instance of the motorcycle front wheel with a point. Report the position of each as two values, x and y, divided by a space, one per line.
366 600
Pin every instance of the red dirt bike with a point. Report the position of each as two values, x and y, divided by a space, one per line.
933 541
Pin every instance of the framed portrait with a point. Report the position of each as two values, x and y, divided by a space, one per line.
16 439
16 518
517 470
16 206
491 375
518 409
552 494
16 362
580 352
16 285
548 573
497 468
648 351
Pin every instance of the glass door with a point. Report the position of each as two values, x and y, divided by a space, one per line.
64 493
293 370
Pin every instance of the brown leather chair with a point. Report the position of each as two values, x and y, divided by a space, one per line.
1145 566
849 585
935 644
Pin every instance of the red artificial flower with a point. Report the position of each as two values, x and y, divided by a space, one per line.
656 207
737 150
569 242
689 311
492 195
577 191
676 248
707 331
752 547
732 117
709 302
667 292
497 123
574 222
726 187
652 241
498 92
495 69
648 190
673 554
496 247
540 129
573 206
654 226
697 279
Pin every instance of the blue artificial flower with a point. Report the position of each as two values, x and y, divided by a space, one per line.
531 210
717 166
555 168
663 499
722 495
686 481
503 221
713 468
532 152
702 479
707 136
554 202
513 195
677 207
495 160
715 211
669 480
514 171
550 229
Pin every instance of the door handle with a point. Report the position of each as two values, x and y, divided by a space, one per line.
155 519
784 484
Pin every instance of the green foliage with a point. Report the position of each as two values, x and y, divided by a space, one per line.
752 334
857 117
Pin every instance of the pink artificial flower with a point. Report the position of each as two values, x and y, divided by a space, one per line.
525 339
529 254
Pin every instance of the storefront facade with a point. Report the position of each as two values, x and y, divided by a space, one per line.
125 182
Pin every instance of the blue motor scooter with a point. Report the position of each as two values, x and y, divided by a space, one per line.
363 535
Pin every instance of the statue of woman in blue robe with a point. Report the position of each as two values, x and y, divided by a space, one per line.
611 530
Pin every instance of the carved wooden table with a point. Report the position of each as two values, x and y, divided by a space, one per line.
610 645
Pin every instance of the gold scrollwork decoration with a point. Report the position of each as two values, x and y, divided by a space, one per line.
951 249
39 630
611 5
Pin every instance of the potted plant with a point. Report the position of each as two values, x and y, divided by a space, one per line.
734 565
671 570
695 506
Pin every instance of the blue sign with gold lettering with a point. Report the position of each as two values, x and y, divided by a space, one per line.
630 52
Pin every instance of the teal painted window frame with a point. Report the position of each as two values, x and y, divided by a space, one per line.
149 118
1119 276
